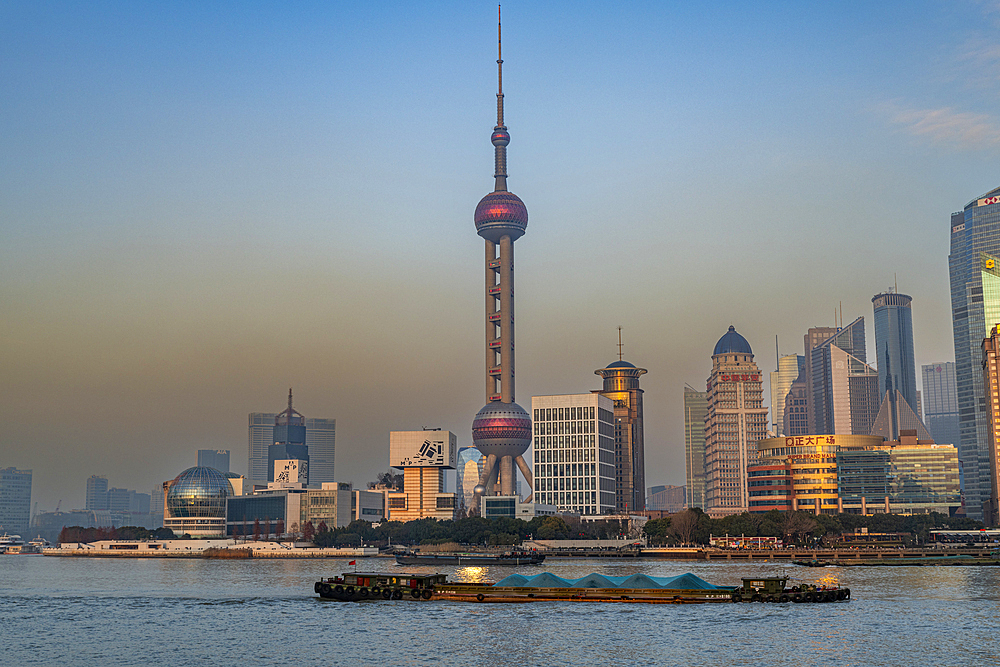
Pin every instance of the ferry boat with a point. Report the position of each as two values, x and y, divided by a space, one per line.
510 558
686 588
11 544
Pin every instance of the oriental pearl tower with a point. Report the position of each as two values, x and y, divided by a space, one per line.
502 429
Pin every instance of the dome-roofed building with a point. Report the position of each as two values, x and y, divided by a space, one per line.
736 420
732 343
621 385
195 502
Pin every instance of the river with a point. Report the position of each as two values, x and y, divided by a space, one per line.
76 611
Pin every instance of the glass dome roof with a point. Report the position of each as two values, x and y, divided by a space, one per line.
732 342
198 492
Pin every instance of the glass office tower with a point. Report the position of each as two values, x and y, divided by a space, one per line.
975 242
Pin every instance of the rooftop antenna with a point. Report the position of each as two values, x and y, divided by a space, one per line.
841 314
895 288
289 399
777 356
619 344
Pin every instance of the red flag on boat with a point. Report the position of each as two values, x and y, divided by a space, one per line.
353 562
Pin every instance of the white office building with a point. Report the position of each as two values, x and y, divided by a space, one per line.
574 452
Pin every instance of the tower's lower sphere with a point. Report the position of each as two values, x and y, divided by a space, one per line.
501 429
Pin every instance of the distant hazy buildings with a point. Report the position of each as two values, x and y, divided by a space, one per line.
423 456
621 385
844 397
665 498
214 458
940 400
736 421
973 268
97 493
695 412
790 367
15 501
575 451
796 417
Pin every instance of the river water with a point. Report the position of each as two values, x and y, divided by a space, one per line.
76 611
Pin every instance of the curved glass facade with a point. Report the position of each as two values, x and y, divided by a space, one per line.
198 492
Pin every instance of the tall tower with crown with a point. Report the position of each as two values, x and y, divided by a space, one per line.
502 429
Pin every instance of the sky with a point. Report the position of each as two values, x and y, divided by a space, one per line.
204 204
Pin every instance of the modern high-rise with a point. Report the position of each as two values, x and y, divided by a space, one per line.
897 376
502 429
972 262
790 367
214 458
621 385
15 501
844 396
812 338
320 441
695 412
736 421
289 441
940 400
97 493
574 452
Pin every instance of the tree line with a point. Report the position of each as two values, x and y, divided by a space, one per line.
695 527
81 534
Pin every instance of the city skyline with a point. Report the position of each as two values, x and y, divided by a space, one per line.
159 160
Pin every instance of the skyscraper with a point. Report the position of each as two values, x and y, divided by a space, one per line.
320 443
621 385
813 337
940 399
790 367
15 501
289 440
97 493
695 411
897 376
736 421
844 395
502 429
975 244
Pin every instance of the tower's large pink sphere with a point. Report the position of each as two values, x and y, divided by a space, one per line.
502 429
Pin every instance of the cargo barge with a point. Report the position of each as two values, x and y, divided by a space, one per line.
509 558
683 589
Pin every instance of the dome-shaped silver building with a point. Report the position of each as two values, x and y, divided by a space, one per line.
195 502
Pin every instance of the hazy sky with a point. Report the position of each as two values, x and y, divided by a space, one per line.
203 204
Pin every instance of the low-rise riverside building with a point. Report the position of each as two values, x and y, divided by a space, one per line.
857 474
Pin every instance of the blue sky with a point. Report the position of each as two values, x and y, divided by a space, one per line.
201 206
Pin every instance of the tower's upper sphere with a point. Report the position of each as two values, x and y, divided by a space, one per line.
500 136
501 214
501 429
732 342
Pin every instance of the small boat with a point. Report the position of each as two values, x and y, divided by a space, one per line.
510 558
683 589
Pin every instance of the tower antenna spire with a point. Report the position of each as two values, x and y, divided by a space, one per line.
500 137
620 346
